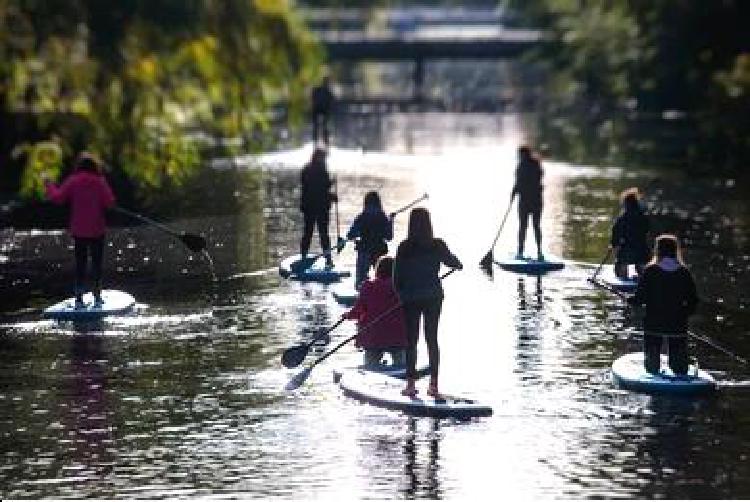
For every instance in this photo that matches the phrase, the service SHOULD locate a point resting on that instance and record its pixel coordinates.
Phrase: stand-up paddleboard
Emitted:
(608, 278)
(345, 295)
(532, 266)
(114, 302)
(629, 373)
(385, 392)
(313, 270)
(386, 369)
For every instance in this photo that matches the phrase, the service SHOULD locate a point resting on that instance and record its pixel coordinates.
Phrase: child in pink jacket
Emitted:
(376, 297)
(88, 194)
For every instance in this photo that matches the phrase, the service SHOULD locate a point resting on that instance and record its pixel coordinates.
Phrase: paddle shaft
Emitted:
(502, 224)
(336, 193)
(148, 220)
(601, 264)
(366, 328)
(409, 205)
(703, 339)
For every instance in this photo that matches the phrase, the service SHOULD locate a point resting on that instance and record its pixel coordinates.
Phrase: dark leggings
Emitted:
(678, 353)
(311, 219)
(85, 247)
(523, 222)
(413, 311)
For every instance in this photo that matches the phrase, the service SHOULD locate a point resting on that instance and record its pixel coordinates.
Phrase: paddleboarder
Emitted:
(376, 297)
(89, 195)
(415, 275)
(667, 289)
(315, 204)
(629, 234)
(528, 186)
(322, 103)
(371, 229)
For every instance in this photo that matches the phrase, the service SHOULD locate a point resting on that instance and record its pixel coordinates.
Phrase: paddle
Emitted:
(601, 264)
(293, 356)
(486, 262)
(703, 339)
(300, 378)
(339, 247)
(413, 203)
(194, 243)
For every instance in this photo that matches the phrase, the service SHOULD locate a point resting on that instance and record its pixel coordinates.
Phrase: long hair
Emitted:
(384, 267)
(86, 161)
(630, 199)
(420, 226)
(667, 246)
(372, 200)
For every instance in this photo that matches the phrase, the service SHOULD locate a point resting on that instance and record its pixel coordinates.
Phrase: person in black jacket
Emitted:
(322, 102)
(629, 235)
(371, 229)
(315, 203)
(529, 188)
(668, 291)
(415, 276)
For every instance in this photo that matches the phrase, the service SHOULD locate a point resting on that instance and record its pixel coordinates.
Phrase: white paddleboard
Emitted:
(346, 296)
(385, 392)
(114, 302)
(629, 373)
(609, 278)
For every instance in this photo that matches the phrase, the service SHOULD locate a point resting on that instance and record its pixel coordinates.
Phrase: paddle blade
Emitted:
(486, 264)
(194, 243)
(298, 379)
(293, 356)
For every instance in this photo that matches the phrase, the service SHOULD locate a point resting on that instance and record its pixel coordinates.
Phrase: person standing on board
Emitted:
(415, 276)
(89, 195)
(378, 303)
(528, 187)
(629, 235)
(371, 229)
(315, 204)
(322, 103)
(667, 289)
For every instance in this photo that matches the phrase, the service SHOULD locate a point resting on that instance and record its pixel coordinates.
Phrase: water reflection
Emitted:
(184, 397)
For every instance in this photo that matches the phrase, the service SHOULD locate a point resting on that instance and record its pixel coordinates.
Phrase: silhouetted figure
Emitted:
(415, 275)
(88, 194)
(371, 229)
(315, 203)
(629, 235)
(667, 289)
(388, 333)
(322, 104)
(529, 188)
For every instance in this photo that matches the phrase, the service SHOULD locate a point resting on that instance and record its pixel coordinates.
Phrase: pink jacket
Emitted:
(88, 195)
(376, 296)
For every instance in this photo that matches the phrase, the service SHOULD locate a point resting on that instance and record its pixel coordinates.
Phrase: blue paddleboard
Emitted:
(346, 296)
(608, 278)
(313, 270)
(114, 302)
(528, 265)
(629, 373)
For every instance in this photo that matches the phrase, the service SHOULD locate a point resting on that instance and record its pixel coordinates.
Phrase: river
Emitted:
(185, 398)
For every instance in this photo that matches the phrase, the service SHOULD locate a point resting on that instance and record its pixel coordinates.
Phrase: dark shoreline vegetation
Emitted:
(154, 87)
(657, 83)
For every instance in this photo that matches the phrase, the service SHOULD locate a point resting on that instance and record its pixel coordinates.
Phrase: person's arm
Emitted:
(691, 296)
(388, 234)
(108, 198)
(397, 264)
(448, 258)
(616, 237)
(58, 194)
(639, 298)
(355, 230)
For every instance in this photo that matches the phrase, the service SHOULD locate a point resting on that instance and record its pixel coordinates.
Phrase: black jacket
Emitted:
(415, 270)
(669, 296)
(316, 194)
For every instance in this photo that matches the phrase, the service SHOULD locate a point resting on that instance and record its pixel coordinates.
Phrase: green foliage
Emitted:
(43, 161)
(154, 78)
(619, 63)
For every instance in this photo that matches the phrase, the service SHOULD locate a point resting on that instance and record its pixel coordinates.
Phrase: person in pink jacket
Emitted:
(378, 301)
(88, 195)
